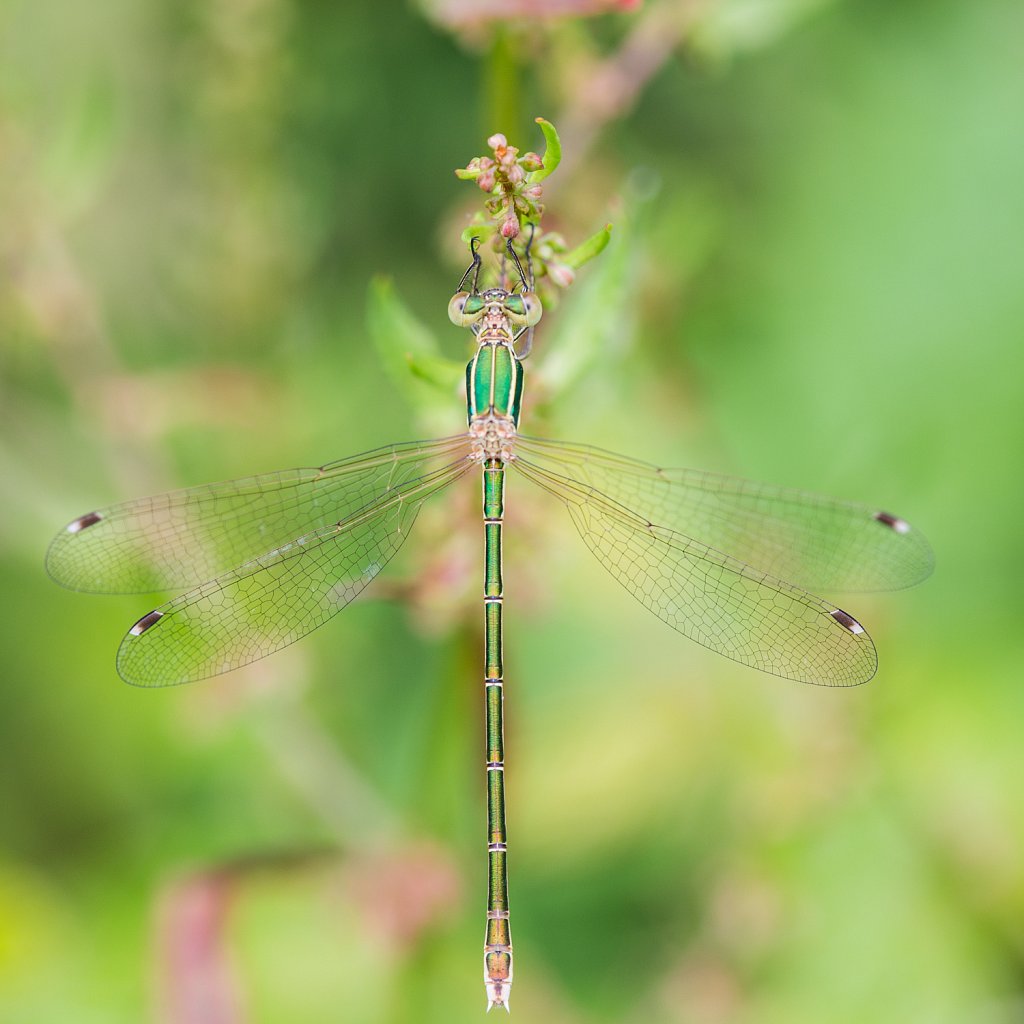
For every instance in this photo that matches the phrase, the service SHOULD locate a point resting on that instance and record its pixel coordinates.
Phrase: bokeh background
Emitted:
(815, 279)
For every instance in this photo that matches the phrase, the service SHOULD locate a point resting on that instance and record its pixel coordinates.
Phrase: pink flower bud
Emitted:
(562, 275)
(510, 226)
(516, 174)
(485, 163)
(497, 141)
(533, 192)
(531, 162)
(486, 181)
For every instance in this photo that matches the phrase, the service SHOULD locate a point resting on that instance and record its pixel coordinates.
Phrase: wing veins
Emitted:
(730, 607)
(813, 540)
(273, 600)
(185, 537)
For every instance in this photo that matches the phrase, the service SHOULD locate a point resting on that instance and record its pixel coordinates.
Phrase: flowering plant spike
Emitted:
(513, 211)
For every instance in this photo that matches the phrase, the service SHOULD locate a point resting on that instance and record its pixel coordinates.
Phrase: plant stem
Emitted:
(502, 87)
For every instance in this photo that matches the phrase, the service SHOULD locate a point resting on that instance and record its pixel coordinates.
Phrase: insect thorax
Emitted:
(492, 437)
(494, 390)
(494, 377)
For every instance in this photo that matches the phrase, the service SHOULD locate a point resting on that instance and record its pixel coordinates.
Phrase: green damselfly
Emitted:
(269, 558)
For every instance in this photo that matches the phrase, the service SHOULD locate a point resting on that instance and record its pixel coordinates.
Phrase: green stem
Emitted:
(502, 87)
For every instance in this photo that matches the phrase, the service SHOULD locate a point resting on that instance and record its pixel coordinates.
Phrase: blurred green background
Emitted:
(815, 279)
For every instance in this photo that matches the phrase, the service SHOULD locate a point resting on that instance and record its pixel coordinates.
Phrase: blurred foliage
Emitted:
(814, 278)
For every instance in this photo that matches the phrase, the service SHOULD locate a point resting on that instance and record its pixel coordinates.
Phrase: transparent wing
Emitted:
(724, 604)
(186, 537)
(274, 599)
(813, 541)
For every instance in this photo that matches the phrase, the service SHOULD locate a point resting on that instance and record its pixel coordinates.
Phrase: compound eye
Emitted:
(465, 309)
(524, 309)
(515, 308)
(532, 309)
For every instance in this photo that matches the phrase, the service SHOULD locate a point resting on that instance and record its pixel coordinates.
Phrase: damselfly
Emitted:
(269, 558)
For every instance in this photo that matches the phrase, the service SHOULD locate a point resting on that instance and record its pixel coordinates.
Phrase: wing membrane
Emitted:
(813, 541)
(189, 536)
(278, 597)
(724, 604)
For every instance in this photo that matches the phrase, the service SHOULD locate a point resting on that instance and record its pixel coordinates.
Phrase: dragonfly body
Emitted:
(494, 393)
(267, 559)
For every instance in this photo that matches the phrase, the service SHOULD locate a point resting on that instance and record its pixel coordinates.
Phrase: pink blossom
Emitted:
(510, 226)
(561, 274)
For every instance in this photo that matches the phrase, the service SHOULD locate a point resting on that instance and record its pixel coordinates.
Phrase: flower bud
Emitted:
(561, 274)
(486, 181)
(531, 162)
(533, 192)
(485, 163)
(515, 174)
(510, 226)
(497, 141)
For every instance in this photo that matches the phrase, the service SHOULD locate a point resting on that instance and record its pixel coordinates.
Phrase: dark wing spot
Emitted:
(847, 621)
(893, 522)
(147, 620)
(79, 524)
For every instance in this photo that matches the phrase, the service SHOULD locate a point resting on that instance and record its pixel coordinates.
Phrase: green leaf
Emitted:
(467, 174)
(409, 351)
(596, 322)
(587, 250)
(552, 154)
(436, 371)
(481, 231)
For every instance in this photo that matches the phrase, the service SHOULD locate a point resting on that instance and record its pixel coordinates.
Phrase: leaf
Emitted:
(587, 250)
(437, 371)
(552, 154)
(481, 231)
(596, 321)
(409, 351)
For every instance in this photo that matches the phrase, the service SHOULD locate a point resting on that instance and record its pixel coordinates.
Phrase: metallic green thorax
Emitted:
(494, 382)
(494, 394)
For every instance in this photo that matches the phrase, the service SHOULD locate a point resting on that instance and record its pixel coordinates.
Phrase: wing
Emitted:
(813, 541)
(724, 604)
(186, 537)
(278, 597)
